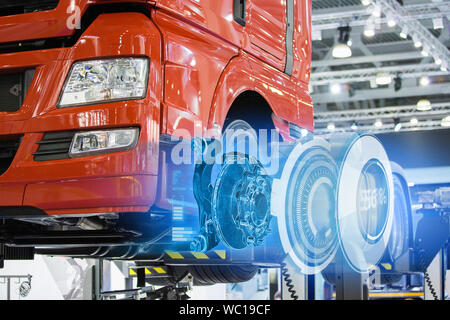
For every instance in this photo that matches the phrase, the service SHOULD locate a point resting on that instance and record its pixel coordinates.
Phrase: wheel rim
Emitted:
(303, 200)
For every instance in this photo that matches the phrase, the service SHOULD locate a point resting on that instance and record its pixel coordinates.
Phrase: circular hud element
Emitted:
(304, 201)
(364, 202)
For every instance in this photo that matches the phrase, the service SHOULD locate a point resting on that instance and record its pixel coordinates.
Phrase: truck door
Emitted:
(266, 30)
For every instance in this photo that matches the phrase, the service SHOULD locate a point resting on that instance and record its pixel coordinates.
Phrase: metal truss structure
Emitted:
(368, 59)
(415, 29)
(385, 128)
(409, 111)
(441, 90)
(363, 120)
(367, 74)
(359, 17)
(414, 44)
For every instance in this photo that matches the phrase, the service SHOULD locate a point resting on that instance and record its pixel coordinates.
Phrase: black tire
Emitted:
(256, 123)
(174, 275)
(162, 282)
(209, 275)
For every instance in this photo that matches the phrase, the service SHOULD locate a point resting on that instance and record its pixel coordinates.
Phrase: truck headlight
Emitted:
(105, 80)
(96, 142)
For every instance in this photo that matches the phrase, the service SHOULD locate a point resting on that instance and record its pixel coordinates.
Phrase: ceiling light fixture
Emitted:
(438, 23)
(316, 35)
(424, 81)
(397, 125)
(376, 12)
(331, 126)
(342, 49)
(404, 33)
(423, 105)
(383, 79)
(369, 32)
(336, 88)
(445, 122)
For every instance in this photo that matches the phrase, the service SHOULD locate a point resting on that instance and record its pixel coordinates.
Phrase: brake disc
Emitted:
(241, 202)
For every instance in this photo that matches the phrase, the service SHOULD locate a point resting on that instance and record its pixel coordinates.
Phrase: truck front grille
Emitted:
(54, 146)
(13, 89)
(8, 149)
(13, 7)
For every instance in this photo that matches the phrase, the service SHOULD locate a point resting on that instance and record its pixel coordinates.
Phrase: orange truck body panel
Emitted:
(200, 61)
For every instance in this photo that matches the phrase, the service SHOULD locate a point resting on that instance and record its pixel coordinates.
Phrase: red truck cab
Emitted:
(203, 55)
(92, 93)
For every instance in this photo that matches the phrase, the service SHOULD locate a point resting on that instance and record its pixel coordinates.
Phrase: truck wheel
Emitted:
(243, 136)
(209, 275)
(251, 127)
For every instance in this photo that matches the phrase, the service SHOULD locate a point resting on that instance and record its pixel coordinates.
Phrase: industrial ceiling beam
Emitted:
(390, 127)
(415, 29)
(368, 59)
(383, 93)
(367, 74)
(438, 109)
(359, 17)
(351, 11)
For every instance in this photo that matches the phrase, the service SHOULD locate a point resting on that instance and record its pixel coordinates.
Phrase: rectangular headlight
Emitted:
(96, 142)
(106, 80)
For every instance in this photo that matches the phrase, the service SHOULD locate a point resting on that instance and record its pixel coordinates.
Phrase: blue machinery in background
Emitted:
(334, 206)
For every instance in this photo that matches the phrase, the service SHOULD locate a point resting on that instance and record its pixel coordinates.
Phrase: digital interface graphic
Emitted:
(231, 150)
(325, 196)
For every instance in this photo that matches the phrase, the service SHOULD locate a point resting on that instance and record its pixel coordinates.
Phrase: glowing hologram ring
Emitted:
(365, 201)
(280, 190)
